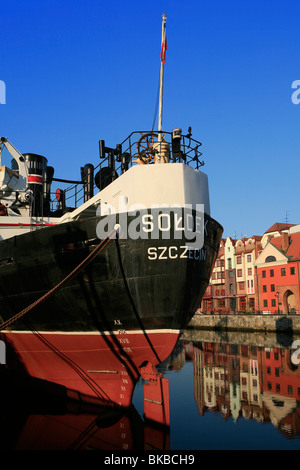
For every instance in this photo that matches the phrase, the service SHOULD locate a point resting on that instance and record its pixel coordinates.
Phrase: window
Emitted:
(292, 270)
(277, 372)
(265, 303)
(231, 288)
(283, 272)
(290, 389)
(272, 287)
(271, 272)
(241, 285)
(264, 274)
(230, 273)
(273, 302)
(249, 258)
(229, 263)
(264, 288)
(239, 260)
(249, 271)
(239, 273)
(269, 259)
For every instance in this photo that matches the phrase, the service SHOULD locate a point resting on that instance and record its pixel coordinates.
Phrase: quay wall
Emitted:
(268, 339)
(247, 322)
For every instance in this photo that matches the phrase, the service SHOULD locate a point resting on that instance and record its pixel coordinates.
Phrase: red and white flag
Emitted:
(163, 45)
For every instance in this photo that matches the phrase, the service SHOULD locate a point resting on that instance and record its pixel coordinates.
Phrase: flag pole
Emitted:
(162, 63)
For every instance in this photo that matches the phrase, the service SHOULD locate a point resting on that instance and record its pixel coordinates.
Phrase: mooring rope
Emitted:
(73, 273)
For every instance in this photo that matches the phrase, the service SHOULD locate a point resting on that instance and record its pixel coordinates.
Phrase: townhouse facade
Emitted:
(260, 274)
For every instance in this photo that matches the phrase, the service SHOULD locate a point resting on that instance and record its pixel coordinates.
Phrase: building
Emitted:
(232, 284)
(230, 275)
(260, 274)
(246, 252)
(277, 270)
(214, 297)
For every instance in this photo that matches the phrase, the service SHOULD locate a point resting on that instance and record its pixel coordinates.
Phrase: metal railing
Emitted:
(138, 147)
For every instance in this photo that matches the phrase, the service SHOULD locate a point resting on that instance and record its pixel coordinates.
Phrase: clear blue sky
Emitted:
(79, 71)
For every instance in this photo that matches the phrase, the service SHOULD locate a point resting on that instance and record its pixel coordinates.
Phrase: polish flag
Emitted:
(163, 46)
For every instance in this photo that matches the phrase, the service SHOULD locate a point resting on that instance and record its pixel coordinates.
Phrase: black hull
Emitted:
(126, 287)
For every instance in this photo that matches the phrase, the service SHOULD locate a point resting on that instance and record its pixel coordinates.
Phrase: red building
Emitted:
(277, 271)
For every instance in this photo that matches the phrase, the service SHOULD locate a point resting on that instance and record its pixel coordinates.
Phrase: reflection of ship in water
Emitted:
(39, 414)
(246, 381)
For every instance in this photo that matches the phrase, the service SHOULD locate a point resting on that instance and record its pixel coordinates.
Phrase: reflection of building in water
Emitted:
(248, 382)
(281, 389)
(235, 400)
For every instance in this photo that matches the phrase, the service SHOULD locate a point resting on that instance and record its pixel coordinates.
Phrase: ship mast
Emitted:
(162, 63)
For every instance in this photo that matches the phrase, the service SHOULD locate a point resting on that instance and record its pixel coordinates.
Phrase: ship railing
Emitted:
(68, 195)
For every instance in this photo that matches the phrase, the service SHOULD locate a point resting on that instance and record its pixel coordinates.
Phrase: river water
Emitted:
(231, 392)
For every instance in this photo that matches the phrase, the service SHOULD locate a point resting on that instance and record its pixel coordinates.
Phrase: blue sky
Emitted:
(80, 71)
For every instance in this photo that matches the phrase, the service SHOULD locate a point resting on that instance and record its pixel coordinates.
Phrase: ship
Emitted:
(115, 263)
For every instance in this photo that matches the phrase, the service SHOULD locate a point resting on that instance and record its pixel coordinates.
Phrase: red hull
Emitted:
(106, 366)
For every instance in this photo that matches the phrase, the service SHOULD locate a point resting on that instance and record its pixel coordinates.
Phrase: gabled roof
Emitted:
(277, 242)
(271, 250)
(293, 251)
(256, 237)
(289, 251)
(278, 227)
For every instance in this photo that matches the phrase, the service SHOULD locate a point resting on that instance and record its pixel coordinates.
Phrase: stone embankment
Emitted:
(247, 322)
(249, 338)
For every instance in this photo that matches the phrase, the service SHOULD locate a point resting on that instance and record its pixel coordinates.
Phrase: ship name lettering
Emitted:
(174, 252)
(193, 223)
(162, 254)
(205, 228)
